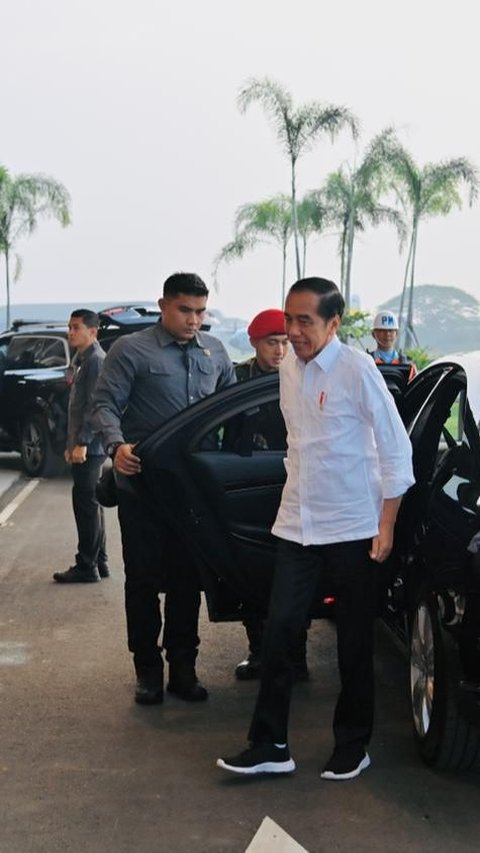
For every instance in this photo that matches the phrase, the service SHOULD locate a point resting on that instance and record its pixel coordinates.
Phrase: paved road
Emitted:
(9, 470)
(84, 769)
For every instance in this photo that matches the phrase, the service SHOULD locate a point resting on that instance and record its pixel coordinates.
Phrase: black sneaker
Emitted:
(346, 764)
(260, 758)
(76, 575)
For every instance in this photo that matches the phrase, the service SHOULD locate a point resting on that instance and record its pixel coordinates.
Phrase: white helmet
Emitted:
(385, 320)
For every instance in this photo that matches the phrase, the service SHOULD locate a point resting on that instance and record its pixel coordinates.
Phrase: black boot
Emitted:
(77, 575)
(183, 682)
(149, 687)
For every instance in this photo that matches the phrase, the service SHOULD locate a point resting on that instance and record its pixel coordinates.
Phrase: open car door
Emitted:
(220, 493)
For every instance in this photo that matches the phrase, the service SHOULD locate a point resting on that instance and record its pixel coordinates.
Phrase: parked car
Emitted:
(221, 495)
(35, 375)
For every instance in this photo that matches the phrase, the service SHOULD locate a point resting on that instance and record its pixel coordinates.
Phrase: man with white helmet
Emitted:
(385, 332)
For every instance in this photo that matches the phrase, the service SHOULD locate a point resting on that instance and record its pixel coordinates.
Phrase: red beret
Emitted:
(269, 322)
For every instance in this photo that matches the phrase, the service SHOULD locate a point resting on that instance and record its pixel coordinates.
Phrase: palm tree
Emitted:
(297, 128)
(23, 199)
(313, 217)
(353, 198)
(268, 221)
(429, 191)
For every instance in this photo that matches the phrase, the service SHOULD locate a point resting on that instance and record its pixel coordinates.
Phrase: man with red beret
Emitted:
(270, 342)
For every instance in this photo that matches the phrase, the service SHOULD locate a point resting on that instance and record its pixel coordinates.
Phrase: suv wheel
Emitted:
(444, 738)
(38, 457)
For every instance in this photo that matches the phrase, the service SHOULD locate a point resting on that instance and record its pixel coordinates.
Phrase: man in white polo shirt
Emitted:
(348, 465)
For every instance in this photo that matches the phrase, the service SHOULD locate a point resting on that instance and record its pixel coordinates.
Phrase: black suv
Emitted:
(35, 374)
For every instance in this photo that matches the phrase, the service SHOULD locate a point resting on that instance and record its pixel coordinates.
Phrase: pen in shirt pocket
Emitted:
(322, 399)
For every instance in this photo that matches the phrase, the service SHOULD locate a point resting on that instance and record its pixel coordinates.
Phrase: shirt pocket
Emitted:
(158, 370)
(206, 376)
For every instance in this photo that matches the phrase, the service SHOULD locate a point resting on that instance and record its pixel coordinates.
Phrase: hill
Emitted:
(446, 319)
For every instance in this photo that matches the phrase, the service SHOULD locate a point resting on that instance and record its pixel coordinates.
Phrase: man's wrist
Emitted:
(112, 448)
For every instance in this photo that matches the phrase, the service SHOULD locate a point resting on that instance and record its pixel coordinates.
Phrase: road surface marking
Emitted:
(12, 653)
(18, 501)
(271, 838)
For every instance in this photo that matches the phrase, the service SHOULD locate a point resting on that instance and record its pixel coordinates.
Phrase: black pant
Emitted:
(348, 572)
(88, 514)
(157, 560)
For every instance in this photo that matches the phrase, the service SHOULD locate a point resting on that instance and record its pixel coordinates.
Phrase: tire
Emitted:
(445, 740)
(38, 456)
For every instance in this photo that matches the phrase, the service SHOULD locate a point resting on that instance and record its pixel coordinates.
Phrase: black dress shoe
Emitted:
(149, 687)
(103, 571)
(249, 669)
(76, 575)
(184, 683)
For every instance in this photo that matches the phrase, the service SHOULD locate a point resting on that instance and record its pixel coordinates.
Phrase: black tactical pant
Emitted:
(157, 561)
(89, 518)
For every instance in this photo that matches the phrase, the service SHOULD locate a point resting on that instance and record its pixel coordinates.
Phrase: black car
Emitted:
(35, 375)
(221, 494)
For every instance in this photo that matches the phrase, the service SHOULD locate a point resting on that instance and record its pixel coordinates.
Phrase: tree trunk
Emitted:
(295, 221)
(284, 269)
(401, 324)
(348, 268)
(410, 335)
(304, 265)
(343, 240)
(7, 286)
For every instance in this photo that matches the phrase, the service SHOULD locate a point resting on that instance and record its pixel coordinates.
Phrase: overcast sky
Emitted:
(133, 107)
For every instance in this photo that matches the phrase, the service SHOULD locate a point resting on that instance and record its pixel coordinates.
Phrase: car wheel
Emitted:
(38, 457)
(444, 739)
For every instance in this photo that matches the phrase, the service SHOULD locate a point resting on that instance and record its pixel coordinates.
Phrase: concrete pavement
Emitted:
(9, 470)
(85, 770)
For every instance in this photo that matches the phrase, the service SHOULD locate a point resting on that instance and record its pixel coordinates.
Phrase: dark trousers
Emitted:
(155, 561)
(348, 573)
(254, 625)
(88, 514)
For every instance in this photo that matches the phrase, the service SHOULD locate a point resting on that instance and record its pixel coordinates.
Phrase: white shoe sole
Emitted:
(329, 774)
(267, 767)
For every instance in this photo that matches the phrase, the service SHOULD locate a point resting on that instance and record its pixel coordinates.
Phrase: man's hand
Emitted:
(383, 543)
(67, 456)
(125, 461)
(79, 454)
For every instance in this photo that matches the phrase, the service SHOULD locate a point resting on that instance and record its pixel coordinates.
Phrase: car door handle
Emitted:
(22, 382)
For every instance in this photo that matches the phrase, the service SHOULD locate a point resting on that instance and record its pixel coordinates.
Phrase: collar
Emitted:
(164, 338)
(387, 356)
(328, 355)
(81, 356)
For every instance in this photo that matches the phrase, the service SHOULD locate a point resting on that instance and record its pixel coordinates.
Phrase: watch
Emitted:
(112, 448)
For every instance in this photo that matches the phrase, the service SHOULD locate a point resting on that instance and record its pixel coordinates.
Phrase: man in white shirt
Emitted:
(348, 465)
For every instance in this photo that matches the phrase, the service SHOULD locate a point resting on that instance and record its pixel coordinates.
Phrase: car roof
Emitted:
(127, 314)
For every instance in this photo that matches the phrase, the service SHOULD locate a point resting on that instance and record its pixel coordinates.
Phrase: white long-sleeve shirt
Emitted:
(347, 447)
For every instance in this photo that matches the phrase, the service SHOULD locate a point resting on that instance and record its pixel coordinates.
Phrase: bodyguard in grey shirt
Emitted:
(147, 378)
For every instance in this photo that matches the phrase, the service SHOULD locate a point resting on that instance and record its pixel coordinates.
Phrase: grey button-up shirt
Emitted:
(148, 377)
(87, 366)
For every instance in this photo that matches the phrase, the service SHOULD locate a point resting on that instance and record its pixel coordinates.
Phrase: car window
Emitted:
(20, 355)
(256, 428)
(51, 352)
(28, 353)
